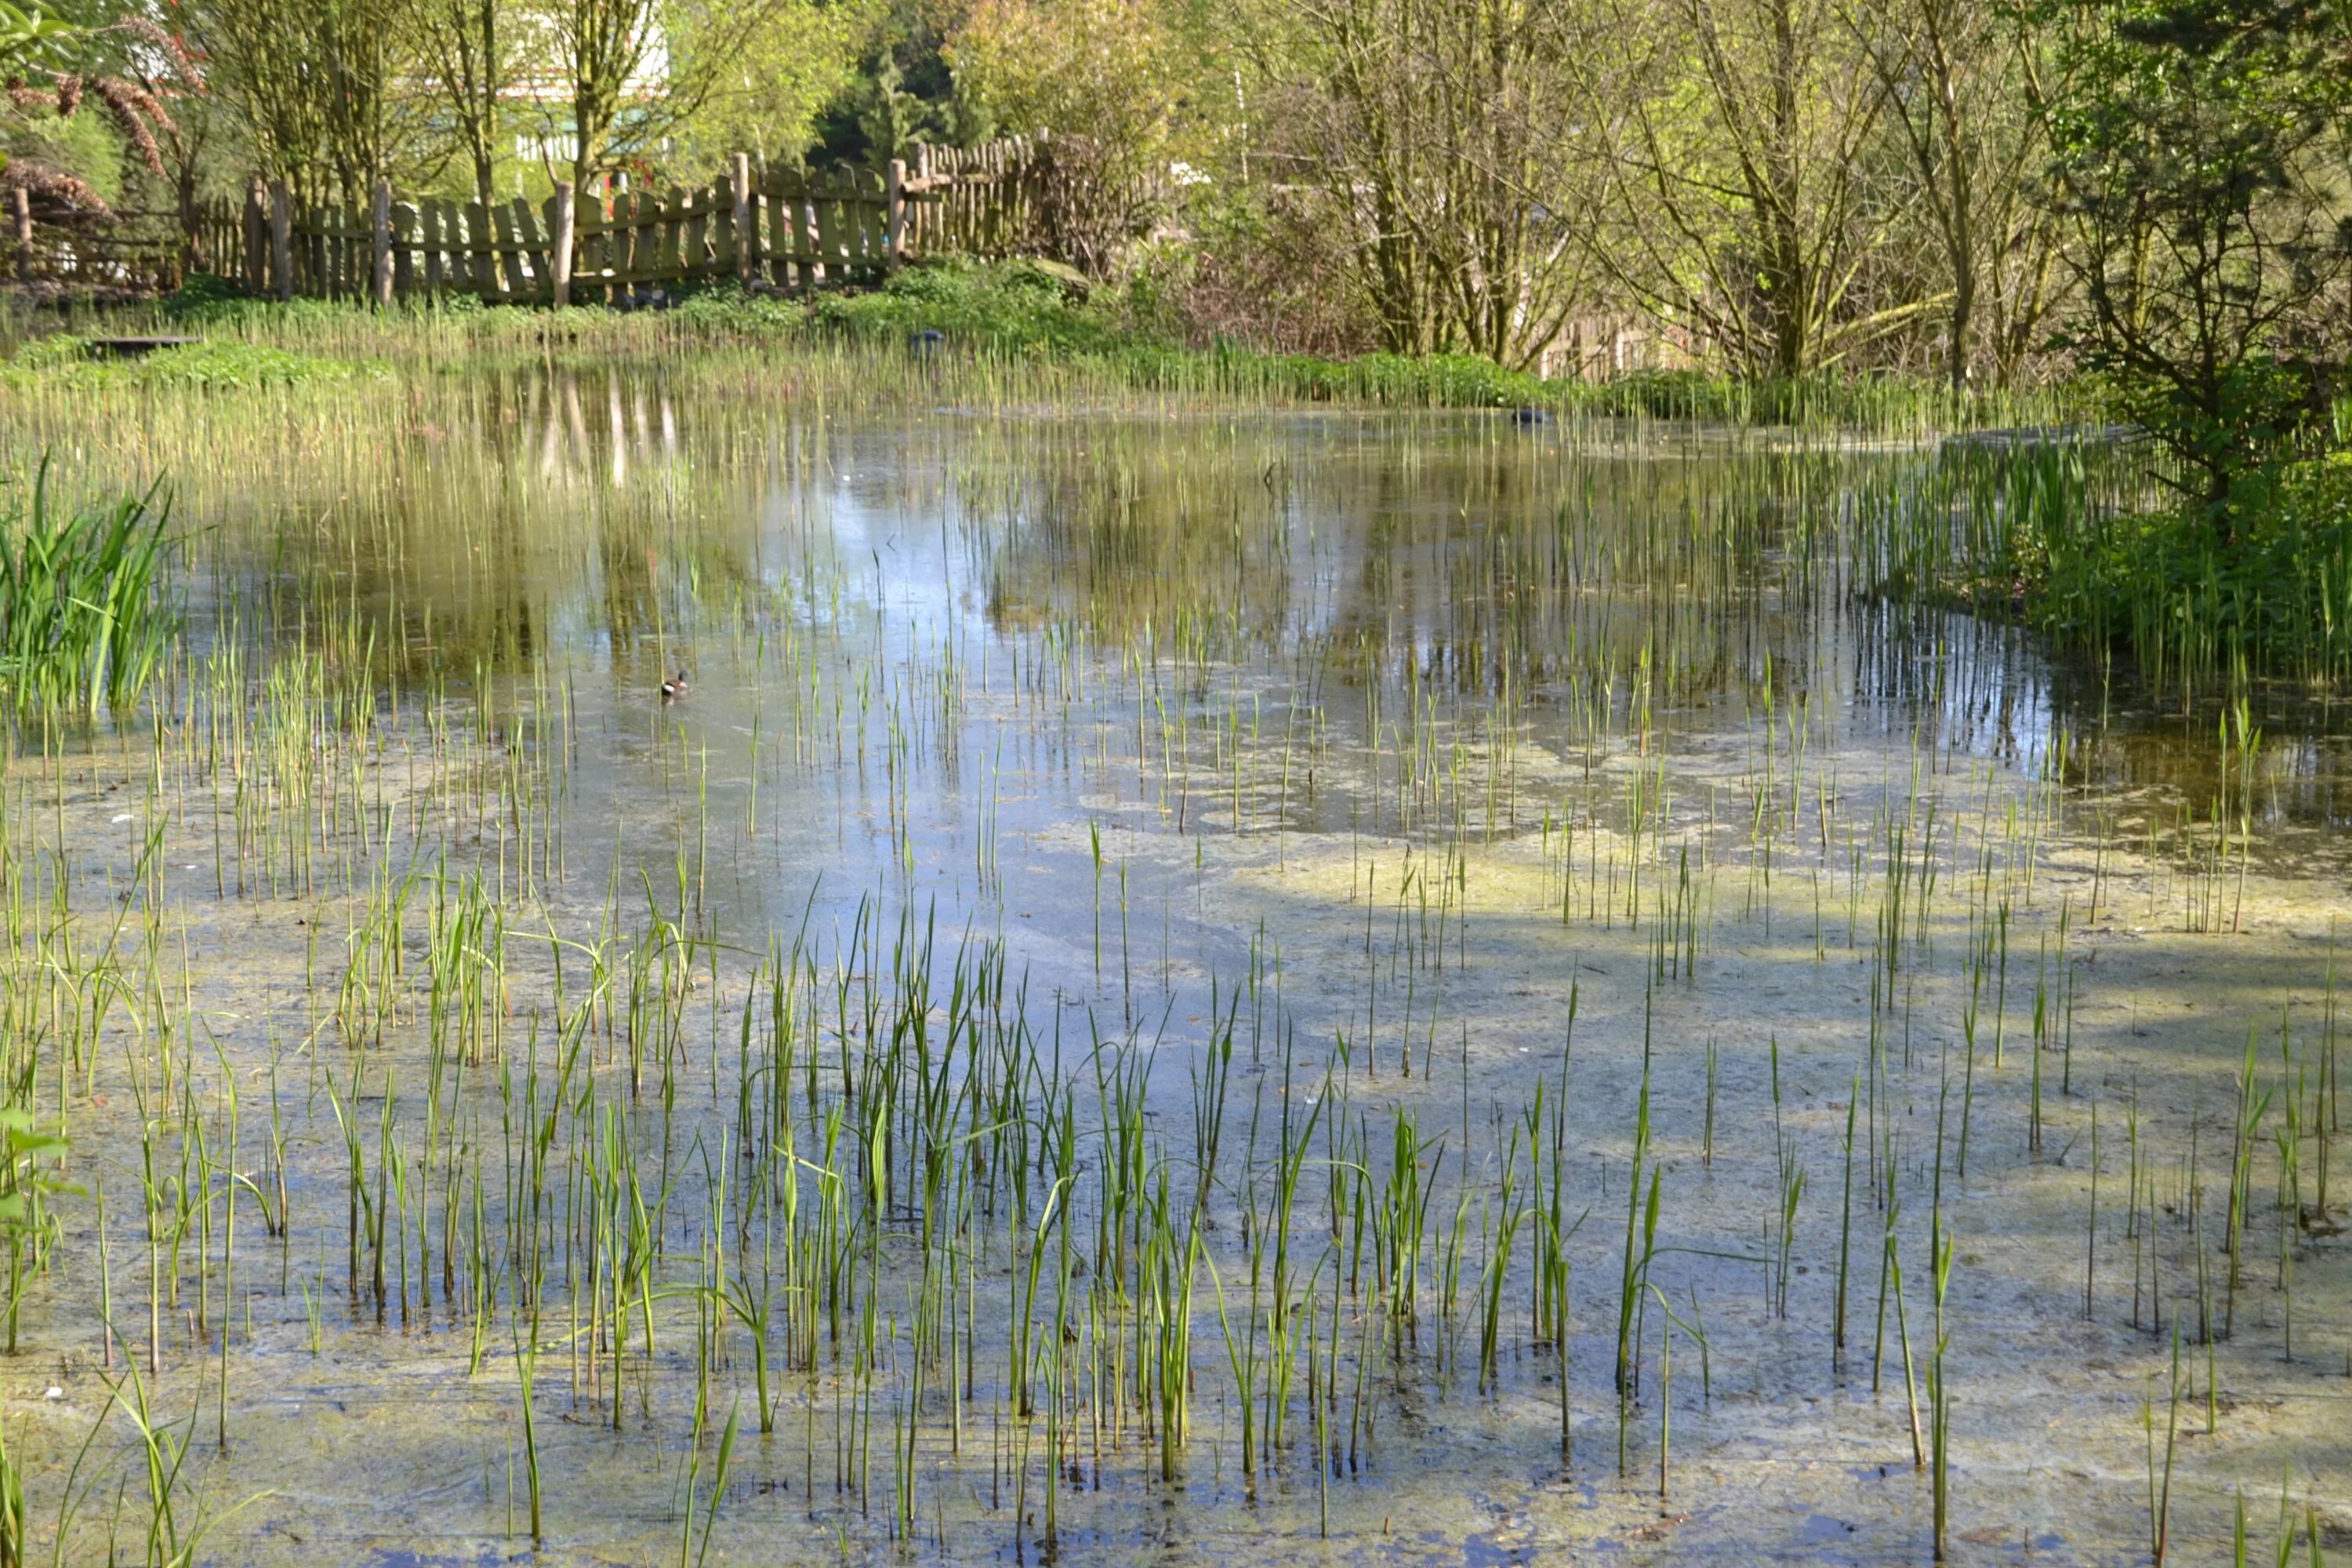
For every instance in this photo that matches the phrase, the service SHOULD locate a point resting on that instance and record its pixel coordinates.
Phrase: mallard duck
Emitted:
(676, 687)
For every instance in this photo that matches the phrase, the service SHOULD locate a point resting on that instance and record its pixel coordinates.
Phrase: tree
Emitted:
(1108, 81)
(766, 101)
(1746, 198)
(636, 71)
(1441, 137)
(78, 64)
(265, 63)
(471, 58)
(373, 113)
(1961, 79)
(2200, 161)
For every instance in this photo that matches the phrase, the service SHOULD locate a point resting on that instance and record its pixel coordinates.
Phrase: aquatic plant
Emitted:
(83, 619)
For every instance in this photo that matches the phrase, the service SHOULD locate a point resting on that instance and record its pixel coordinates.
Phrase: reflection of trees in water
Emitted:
(1478, 562)
(2150, 766)
(500, 509)
(1457, 559)
(1135, 532)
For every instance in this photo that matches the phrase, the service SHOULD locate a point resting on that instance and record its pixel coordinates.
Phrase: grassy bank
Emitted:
(1044, 324)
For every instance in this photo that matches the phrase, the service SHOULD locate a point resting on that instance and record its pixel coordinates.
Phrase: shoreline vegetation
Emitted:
(1015, 313)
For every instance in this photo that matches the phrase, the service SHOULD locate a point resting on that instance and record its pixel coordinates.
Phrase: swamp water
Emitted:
(1180, 981)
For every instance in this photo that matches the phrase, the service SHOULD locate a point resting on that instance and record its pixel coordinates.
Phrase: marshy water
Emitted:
(1181, 979)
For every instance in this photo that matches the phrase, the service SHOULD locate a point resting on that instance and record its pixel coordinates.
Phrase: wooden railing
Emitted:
(781, 229)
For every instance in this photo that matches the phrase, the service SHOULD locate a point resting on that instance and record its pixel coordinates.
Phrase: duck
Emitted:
(676, 687)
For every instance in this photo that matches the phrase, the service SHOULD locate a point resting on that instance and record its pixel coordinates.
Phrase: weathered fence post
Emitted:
(747, 238)
(20, 208)
(256, 235)
(481, 257)
(894, 221)
(404, 228)
(531, 251)
(626, 256)
(379, 243)
(429, 217)
(565, 221)
(281, 240)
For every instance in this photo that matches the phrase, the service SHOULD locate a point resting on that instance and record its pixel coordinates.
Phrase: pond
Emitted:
(1168, 978)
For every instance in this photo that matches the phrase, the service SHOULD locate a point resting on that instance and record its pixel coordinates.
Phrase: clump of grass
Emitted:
(1017, 307)
(82, 617)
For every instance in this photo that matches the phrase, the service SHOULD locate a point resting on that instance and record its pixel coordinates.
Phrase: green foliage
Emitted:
(214, 364)
(55, 351)
(2062, 537)
(726, 309)
(1448, 381)
(2199, 159)
(223, 365)
(28, 1176)
(1008, 307)
(779, 75)
(83, 618)
(2233, 419)
(2275, 598)
(205, 295)
(90, 146)
(31, 36)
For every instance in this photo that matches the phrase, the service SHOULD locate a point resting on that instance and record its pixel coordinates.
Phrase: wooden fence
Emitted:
(991, 201)
(778, 229)
(116, 247)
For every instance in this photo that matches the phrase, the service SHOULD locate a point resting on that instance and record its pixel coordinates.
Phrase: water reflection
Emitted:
(1375, 574)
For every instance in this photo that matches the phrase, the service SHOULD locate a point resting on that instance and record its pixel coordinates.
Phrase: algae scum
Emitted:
(1180, 981)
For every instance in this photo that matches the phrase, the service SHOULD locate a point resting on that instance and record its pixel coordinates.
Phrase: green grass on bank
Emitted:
(66, 359)
(1006, 315)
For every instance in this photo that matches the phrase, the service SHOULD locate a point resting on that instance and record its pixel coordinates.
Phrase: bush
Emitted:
(1015, 307)
(2276, 598)
(203, 297)
(726, 308)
